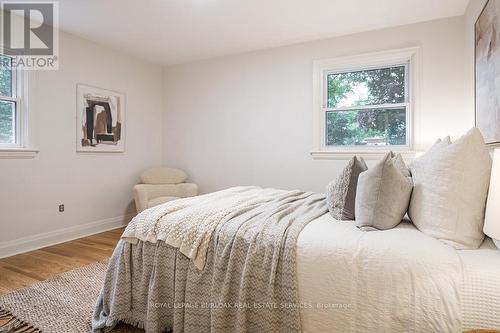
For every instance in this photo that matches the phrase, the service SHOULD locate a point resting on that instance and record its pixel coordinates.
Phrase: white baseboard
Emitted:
(34, 242)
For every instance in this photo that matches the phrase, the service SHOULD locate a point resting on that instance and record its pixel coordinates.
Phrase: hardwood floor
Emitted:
(27, 268)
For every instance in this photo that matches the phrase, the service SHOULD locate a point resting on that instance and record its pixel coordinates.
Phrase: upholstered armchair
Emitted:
(160, 185)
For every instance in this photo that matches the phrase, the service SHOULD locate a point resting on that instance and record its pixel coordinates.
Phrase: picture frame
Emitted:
(100, 120)
(487, 72)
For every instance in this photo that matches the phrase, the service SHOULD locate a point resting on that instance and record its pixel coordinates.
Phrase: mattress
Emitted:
(336, 263)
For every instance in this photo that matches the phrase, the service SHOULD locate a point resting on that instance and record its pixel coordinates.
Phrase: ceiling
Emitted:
(175, 31)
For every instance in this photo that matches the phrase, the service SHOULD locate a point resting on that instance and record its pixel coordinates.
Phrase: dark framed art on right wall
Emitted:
(487, 72)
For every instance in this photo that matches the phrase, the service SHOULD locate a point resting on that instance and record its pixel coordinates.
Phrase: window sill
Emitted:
(407, 155)
(18, 153)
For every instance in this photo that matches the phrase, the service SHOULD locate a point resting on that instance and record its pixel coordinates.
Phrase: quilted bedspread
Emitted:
(222, 262)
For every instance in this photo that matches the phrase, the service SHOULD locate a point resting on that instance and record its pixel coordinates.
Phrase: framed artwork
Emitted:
(487, 72)
(100, 120)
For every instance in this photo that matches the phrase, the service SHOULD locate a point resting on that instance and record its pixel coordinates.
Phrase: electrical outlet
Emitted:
(61, 208)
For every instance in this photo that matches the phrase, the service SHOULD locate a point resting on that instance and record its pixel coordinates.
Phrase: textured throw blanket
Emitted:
(222, 262)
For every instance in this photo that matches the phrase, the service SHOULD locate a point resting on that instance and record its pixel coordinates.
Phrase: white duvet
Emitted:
(480, 290)
(398, 280)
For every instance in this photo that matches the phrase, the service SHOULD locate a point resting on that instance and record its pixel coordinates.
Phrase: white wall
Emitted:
(94, 187)
(247, 119)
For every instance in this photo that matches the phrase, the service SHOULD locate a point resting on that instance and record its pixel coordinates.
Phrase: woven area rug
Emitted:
(64, 303)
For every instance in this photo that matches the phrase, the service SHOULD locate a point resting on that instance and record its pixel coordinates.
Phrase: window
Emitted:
(7, 102)
(364, 103)
(12, 116)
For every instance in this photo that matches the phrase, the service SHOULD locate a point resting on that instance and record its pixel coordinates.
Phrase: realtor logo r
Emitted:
(30, 32)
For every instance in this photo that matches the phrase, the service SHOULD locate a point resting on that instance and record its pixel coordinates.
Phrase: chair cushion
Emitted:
(160, 200)
(163, 176)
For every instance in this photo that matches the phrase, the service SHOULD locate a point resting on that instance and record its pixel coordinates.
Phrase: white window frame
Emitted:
(409, 57)
(21, 147)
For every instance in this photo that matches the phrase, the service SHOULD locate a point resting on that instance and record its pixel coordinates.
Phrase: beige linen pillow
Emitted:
(162, 175)
(341, 193)
(451, 184)
(383, 194)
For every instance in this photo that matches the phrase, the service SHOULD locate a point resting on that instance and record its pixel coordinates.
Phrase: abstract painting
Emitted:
(487, 71)
(100, 120)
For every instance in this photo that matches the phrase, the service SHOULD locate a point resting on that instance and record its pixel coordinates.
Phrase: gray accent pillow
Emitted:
(383, 194)
(341, 193)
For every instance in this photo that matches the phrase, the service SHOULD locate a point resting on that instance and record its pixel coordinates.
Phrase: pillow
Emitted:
(451, 184)
(341, 193)
(163, 176)
(440, 143)
(383, 194)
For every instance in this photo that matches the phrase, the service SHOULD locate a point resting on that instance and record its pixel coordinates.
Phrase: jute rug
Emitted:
(64, 303)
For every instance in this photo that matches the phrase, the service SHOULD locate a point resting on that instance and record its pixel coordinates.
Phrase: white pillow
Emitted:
(450, 189)
(163, 176)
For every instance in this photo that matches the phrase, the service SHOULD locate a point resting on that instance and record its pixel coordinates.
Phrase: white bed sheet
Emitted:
(480, 290)
(341, 290)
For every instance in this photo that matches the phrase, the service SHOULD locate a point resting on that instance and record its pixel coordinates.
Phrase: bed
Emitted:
(330, 276)
(330, 257)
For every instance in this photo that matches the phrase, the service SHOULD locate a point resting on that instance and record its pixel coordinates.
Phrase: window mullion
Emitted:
(367, 107)
(9, 99)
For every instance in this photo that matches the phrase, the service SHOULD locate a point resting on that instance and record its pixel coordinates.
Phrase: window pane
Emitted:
(368, 87)
(5, 76)
(373, 127)
(7, 118)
